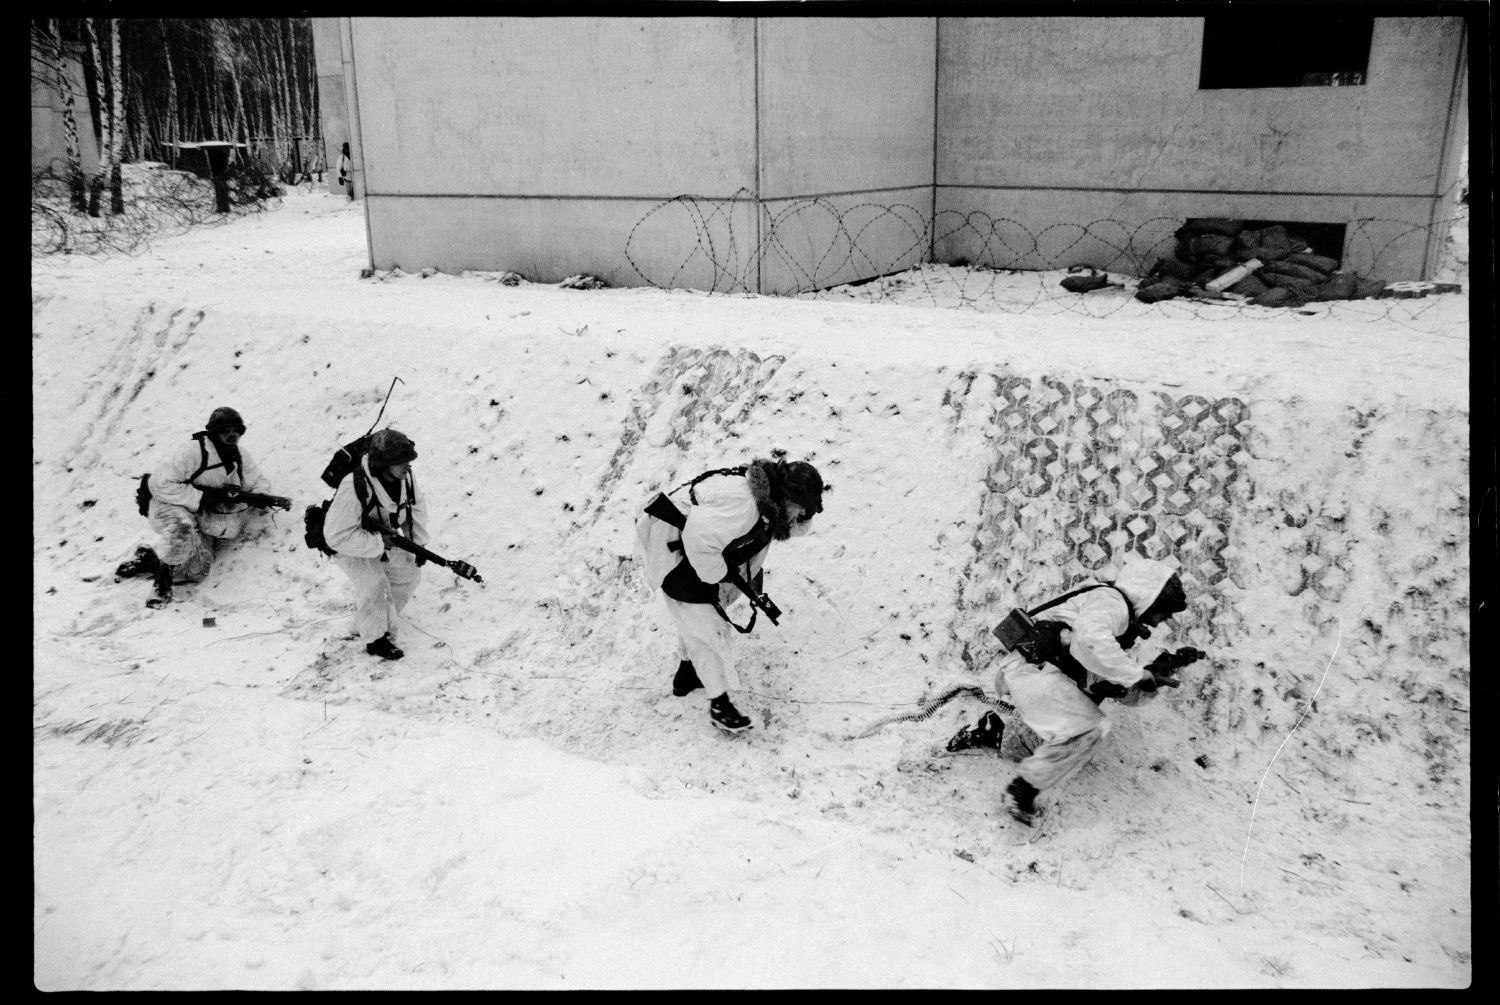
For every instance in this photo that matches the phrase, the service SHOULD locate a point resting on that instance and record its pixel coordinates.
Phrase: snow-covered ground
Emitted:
(252, 802)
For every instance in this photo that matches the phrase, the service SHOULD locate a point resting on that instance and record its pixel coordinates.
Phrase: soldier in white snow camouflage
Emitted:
(1073, 660)
(701, 537)
(209, 490)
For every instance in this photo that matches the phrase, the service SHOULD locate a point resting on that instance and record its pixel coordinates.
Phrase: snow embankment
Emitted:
(1319, 513)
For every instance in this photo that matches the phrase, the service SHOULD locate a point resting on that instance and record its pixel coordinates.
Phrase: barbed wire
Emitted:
(810, 248)
(158, 201)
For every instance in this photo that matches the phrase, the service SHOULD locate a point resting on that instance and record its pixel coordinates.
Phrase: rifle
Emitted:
(231, 494)
(757, 600)
(461, 569)
(261, 500)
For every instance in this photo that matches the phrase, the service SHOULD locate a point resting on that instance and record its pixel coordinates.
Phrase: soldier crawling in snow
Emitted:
(208, 491)
(704, 544)
(1073, 657)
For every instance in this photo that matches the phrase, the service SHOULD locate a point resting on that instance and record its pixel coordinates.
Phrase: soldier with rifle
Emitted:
(377, 525)
(704, 545)
(209, 490)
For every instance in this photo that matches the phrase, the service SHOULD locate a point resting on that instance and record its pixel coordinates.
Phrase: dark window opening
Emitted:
(1325, 239)
(1285, 47)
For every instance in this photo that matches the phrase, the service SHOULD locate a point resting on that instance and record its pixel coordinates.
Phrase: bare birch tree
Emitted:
(73, 152)
(96, 184)
(116, 118)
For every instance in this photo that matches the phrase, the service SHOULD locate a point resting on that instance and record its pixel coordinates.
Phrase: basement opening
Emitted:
(1326, 239)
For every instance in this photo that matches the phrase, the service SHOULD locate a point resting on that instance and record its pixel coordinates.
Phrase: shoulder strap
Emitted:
(362, 492)
(708, 474)
(203, 464)
(1085, 589)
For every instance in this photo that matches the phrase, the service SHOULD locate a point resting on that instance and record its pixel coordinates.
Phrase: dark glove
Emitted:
(1107, 689)
(421, 560)
(1170, 662)
(1158, 679)
(221, 495)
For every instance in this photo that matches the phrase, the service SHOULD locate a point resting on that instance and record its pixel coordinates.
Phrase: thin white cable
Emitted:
(1256, 806)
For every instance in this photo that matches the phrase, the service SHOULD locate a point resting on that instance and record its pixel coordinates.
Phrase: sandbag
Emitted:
(1210, 225)
(1308, 260)
(1278, 297)
(1287, 267)
(1339, 286)
(1164, 290)
(1084, 284)
(1365, 288)
(1272, 242)
(1302, 288)
(1249, 287)
(1174, 269)
(1208, 246)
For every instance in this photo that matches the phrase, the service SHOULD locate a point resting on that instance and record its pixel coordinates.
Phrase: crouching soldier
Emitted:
(208, 491)
(1074, 657)
(377, 499)
(704, 545)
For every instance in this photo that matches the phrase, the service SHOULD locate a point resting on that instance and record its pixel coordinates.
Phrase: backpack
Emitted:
(343, 461)
(143, 490)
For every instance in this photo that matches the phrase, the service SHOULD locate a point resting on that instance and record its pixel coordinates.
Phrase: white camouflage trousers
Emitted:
(1069, 725)
(189, 540)
(381, 591)
(702, 636)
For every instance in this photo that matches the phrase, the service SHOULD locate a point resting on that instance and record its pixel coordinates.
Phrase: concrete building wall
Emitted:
(558, 137)
(1052, 120)
(49, 145)
(779, 155)
(846, 134)
(333, 102)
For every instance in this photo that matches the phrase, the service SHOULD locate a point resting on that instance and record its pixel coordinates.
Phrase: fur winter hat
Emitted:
(225, 419)
(801, 484)
(391, 446)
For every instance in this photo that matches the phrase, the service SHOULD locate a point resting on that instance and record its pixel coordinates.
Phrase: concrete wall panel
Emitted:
(846, 104)
(809, 244)
(1115, 102)
(547, 240)
(333, 106)
(1127, 231)
(49, 145)
(633, 107)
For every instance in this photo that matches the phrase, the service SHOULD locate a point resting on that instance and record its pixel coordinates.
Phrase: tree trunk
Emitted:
(116, 119)
(288, 110)
(96, 185)
(170, 133)
(76, 193)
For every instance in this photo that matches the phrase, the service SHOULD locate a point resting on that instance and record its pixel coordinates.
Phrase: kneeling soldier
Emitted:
(209, 490)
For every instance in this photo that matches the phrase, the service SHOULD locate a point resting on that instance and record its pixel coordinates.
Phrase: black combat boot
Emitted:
(722, 713)
(161, 579)
(384, 648)
(1020, 800)
(987, 732)
(685, 681)
(144, 563)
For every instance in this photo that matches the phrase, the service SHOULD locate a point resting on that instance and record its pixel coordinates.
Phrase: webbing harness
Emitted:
(368, 505)
(682, 582)
(1062, 658)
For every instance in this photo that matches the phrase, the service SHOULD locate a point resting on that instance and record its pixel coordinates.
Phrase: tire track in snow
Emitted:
(148, 347)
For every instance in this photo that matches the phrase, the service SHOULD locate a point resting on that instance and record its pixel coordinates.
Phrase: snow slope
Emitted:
(521, 803)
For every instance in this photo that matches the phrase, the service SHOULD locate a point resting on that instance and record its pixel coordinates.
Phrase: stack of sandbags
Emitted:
(1289, 273)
